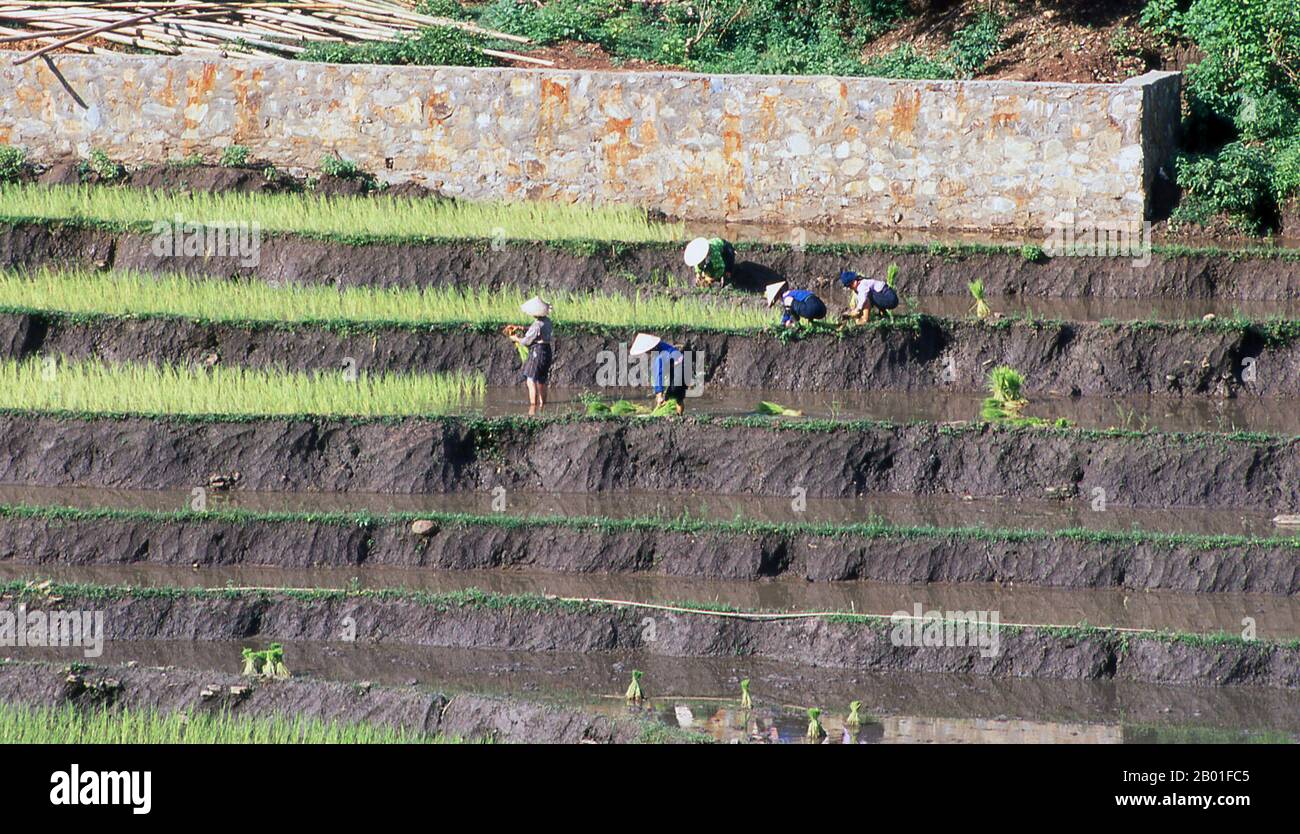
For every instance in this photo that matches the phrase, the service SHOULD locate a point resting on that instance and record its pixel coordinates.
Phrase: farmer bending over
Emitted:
(795, 304)
(667, 369)
(868, 294)
(714, 259)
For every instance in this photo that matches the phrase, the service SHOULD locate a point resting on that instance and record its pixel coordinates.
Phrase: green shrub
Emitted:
(1033, 253)
(336, 166)
(13, 163)
(973, 44)
(1236, 182)
(1286, 169)
(101, 165)
(234, 156)
(443, 8)
(433, 46)
(906, 62)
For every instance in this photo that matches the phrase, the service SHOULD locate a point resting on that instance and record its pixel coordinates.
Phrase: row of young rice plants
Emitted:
(139, 295)
(342, 217)
(95, 387)
(69, 725)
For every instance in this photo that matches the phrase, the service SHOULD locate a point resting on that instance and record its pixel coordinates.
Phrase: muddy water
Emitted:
(895, 708)
(900, 510)
(1276, 416)
(1101, 309)
(1274, 617)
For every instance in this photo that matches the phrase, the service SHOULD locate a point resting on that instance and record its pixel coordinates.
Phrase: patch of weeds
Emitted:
(102, 166)
(235, 156)
(13, 163)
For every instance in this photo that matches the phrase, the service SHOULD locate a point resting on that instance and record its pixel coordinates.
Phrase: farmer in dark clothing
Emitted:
(796, 305)
(667, 369)
(868, 294)
(537, 368)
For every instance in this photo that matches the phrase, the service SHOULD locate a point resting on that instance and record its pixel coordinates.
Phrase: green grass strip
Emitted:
(381, 217)
(68, 724)
(46, 384)
(133, 294)
(873, 529)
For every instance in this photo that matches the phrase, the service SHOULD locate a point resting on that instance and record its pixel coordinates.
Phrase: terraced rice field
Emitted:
(329, 450)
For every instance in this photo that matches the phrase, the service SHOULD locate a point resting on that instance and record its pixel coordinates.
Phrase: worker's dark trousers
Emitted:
(809, 308)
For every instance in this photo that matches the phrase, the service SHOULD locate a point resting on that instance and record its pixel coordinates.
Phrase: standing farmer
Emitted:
(667, 369)
(714, 259)
(868, 294)
(796, 305)
(537, 339)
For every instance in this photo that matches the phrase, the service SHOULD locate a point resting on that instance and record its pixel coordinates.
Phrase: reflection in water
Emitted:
(896, 509)
(1185, 414)
(1276, 617)
(895, 708)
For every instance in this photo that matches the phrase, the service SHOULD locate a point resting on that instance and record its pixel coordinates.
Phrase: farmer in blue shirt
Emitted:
(795, 304)
(667, 369)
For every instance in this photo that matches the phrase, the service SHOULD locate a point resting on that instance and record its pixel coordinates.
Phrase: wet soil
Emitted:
(1068, 359)
(206, 552)
(1259, 475)
(831, 642)
(628, 267)
(466, 716)
(1275, 618)
(960, 707)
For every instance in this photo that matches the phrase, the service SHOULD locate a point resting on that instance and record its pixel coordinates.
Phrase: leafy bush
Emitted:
(13, 163)
(906, 62)
(1236, 182)
(102, 166)
(973, 44)
(443, 8)
(336, 166)
(723, 36)
(433, 46)
(1244, 103)
(234, 156)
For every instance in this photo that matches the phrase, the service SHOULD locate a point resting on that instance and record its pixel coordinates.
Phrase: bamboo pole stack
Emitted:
(263, 28)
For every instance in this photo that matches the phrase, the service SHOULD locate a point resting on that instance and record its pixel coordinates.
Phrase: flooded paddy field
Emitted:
(1273, 617)
(702, 696)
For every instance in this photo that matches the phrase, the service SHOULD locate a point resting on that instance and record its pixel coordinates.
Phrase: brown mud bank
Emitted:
(753, 456)
(474, 619)
(1073, 560)
(620, 267)
(467, 716)
(915, 354)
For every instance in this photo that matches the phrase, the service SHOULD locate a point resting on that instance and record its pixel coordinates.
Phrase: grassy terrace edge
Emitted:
(478, 599)
(1277, 332)
(874, 529)
(490, 426)
(591, 247)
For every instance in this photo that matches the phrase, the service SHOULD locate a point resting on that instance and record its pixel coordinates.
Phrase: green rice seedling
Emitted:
(771, 409)
(745, 701)
(854, 720)
(891, 276)
(129, 293)
(93, 387)
(379, 216)
(1005, 384)
(68, 724)
(634, 694)
(815, 730)
(251, 661)
(273, 660)
(980, 308)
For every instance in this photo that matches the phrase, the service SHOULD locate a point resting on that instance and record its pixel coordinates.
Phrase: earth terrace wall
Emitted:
(951, 154)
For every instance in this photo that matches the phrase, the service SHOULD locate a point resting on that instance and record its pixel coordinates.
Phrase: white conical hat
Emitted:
(773, 291)
(536, 307)
(643, 343)
(696, 251)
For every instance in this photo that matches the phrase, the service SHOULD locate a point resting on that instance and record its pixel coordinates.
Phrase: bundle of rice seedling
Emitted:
(980, 308)
(771, 409)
